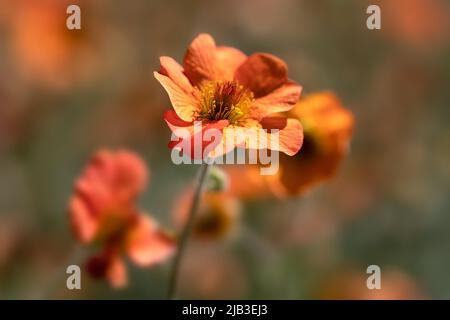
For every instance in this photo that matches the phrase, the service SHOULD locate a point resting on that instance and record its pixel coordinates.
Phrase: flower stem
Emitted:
(182, 243)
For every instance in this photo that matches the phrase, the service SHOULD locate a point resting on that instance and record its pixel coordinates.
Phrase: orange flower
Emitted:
(228, 91)
(217, 216)
(103, 210)
(327, 132)
(328, 128)
(43, 48)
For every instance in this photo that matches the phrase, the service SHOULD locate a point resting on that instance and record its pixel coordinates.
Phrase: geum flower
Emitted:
(328, 128)
(230, 92)
(103, 211)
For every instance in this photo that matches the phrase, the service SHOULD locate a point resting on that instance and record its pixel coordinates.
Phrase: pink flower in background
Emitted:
(103, 211)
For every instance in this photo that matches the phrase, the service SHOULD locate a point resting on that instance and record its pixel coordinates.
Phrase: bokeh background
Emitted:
(64, 94)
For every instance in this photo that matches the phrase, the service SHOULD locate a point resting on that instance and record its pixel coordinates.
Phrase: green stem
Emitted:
(182, 243)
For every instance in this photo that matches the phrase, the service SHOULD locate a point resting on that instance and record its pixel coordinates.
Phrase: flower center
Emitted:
(224, 100)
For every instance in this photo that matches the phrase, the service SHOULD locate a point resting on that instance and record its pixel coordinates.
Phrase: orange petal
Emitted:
(117, 272)
(175, 123)
(94, 194)
(130, 172)
(262, 73)
(290, 134)
(228, 60)
(83, 223)
(102, 167)
(108, 186)
(184, 103)
(231, 138)
(113, 175)
(173, 70)
(147, 244)
(280, 100)
(200, 59)
(287, 138)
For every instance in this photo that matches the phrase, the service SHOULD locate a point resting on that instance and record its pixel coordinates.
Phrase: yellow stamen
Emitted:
(224, 100)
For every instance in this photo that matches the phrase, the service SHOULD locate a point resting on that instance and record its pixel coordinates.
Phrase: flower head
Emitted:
(328, 127)
(103, 210)
(227, 90)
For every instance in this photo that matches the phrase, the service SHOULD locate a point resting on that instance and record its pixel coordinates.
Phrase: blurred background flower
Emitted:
(327, 129)
(103, 211)
(64, 94)
(350, 284)
(217, 217)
